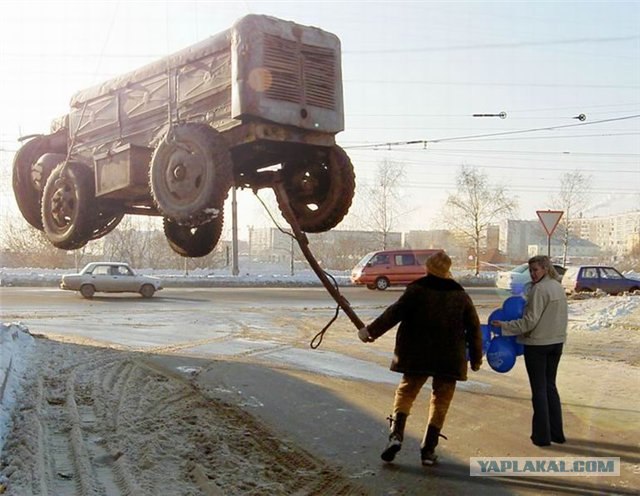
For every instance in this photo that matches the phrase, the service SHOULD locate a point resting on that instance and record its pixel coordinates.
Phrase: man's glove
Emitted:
(363, 334)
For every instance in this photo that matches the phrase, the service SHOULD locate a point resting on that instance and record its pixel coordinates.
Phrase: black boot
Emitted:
(396, 436)
(428, 446)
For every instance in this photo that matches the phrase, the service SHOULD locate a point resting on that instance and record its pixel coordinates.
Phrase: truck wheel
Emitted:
(32, 165)
(67, 206)
(193, 241)
(191, 173)
(104, 223)
(382, 283)
(320, 189)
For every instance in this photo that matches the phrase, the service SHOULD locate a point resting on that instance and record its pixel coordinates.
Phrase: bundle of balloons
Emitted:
(503, 350)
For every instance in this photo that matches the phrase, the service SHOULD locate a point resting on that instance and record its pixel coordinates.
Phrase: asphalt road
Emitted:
(196, 313)
(252, 348)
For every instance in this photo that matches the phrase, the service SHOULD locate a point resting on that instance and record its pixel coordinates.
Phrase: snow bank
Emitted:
(16, 345)
(257, 275)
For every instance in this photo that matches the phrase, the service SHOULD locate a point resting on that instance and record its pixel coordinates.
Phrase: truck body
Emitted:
(172, 138)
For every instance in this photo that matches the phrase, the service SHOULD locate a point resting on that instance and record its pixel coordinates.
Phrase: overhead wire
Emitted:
(488, 135)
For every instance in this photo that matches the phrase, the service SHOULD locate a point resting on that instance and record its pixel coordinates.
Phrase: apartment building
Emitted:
(616, 235)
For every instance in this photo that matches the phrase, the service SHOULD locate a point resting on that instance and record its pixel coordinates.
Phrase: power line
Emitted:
(534, 152)
(608, 169)
(493, 84)
(484, 46)
(487, 135)
(566, 136)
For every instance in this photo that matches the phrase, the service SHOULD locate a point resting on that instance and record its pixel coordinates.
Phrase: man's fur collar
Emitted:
(438, 283)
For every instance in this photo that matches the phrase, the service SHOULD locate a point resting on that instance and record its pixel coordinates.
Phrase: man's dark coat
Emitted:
(437, 321)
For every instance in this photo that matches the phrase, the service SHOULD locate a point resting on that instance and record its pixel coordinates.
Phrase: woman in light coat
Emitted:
(542, 330)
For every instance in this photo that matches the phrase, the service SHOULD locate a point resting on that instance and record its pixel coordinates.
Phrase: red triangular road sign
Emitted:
(549, 219)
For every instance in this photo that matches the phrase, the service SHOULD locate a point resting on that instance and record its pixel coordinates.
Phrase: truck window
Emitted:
(380, 260)
(405, 259)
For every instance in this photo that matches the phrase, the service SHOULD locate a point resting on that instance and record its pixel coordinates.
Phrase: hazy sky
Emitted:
(412, 71)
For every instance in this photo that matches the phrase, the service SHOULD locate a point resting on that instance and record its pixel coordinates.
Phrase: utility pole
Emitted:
(234, 232)
(291, 253)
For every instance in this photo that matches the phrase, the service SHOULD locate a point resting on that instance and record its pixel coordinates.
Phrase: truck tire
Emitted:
(193, 242)
(320, 188)
(191, 173)
(67, 206)
(32, 165)
(104, 223)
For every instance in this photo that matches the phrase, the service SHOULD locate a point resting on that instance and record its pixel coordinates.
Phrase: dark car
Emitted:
(587, 278)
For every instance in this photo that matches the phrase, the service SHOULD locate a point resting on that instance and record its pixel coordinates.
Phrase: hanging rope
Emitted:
(322, 274)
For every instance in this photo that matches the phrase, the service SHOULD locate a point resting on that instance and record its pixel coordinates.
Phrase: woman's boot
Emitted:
(396, 436)
(428, 446)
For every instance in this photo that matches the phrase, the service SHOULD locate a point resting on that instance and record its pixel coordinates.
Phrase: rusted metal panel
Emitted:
(123, 173)
(213, 44)
(96, 120)
(203, 88)
(143, 104)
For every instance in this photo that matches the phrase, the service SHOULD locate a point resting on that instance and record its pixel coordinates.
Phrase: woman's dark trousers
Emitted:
(542, 367)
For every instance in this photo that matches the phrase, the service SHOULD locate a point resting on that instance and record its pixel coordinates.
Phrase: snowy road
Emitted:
(147, 421)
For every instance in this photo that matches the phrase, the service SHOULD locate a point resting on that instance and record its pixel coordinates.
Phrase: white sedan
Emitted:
(110, 277)
(518, 280)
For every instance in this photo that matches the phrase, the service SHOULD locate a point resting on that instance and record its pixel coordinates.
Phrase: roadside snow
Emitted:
(15, 347)
(594, 314)
(256, 274)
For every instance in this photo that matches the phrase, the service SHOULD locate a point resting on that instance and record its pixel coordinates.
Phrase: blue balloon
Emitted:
(519, 348)
(501, 354)
(486, 337)
(497, 314)
(513, 307)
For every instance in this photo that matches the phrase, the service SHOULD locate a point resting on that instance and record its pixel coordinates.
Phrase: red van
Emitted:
(381, 269)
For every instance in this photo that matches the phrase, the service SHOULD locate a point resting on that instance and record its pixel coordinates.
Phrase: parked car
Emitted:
(586, 278)
(110, 277)
(381, 269)
(517, 280)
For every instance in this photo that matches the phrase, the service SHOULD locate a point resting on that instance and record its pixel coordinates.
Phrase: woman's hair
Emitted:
(545, 262)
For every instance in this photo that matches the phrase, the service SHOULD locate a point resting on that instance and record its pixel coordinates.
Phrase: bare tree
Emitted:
(25, 246)
(384, 202)
(475, 206)
(572, 199)
(124, 243)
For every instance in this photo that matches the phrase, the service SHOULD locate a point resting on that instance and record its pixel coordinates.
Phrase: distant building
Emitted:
(515, 236)
(335, 248)
(437, 238)
(578, 251)
(616, 235)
